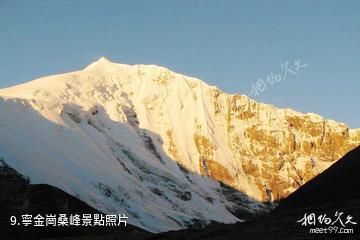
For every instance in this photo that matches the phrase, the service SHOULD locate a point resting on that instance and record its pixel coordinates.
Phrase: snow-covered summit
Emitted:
(102, 64)
(166, 149)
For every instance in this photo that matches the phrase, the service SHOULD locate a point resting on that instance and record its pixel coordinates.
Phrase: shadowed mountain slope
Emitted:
(18, 196)
(338, 184)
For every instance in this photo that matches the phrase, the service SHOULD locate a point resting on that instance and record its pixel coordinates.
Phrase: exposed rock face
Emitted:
(277, 150)
(175, 128)
(280, 149)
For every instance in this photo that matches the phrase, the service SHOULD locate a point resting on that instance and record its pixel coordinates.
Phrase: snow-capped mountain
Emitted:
(165, 149)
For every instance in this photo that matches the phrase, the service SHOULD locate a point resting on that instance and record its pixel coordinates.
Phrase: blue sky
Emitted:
(230, 44)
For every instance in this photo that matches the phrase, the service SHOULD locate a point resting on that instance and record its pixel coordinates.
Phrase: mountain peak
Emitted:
(103, 60)
(160, 138)
(101, 63)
